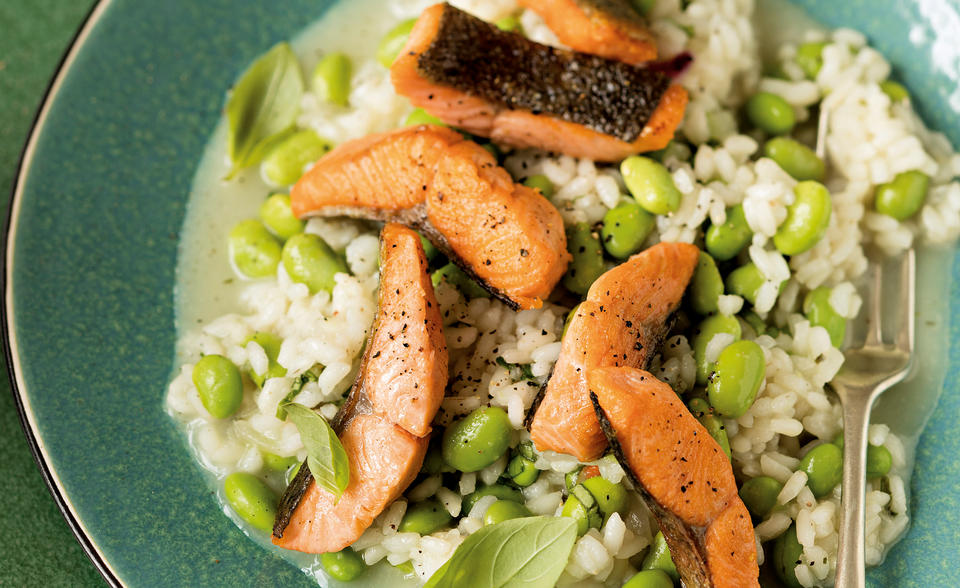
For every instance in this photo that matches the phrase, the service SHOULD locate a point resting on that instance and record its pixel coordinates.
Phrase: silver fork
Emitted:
(866, 373)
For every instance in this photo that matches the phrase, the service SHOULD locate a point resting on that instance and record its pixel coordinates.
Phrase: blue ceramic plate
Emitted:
(92, 247)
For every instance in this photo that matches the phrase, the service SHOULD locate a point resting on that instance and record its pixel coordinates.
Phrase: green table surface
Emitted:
(36, 545)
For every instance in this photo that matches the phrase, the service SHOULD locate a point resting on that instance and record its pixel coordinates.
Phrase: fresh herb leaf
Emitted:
(263, 106)
(518, 371)
(326, 457)
(298, 384)
(529, 552)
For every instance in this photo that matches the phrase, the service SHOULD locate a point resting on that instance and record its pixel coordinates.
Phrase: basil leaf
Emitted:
(298, 384)
(529, 552)
(326, 457)
(263, 106)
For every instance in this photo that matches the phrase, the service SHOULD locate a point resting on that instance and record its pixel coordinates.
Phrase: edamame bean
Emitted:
(787, 552)
(725, 241)
(625, 228)
(904, 196)
(824, 468)
(651, 184)
(252, 499)
(587, 264)
(702, 412)
(271, 346)
(817, 308)
(276, 215)
(504, 510)
(736, 379)
(392, 43)
(795, 158)
(879, 461)
(708, 329)
(292, 472)
(424, 517)
(309, 260)
(760, 495)
(658, 558)
(745, 281)
(429, 250)
(493, 150)
(508, 23)
(254, 251)
(810, 58)
(706, 286)
(582, 508)
(895, 91)
(345, 565)
(542, 183)
(522, 472)
(499, 490)
(807, 219)
(284, 164)
(219, 385)
(452, 274)
(477, 440)
(610, 497)
(277, 463)
(643, 6)
(771, 113)
(649, 579)
(331, 78)
(569, 319)
(420, 116)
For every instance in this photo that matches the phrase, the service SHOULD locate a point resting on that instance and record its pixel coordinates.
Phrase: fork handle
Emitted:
(850, 554)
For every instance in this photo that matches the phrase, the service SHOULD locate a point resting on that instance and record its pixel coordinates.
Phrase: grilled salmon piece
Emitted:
(505, 235)
(621, 323)
(608, 28)
(472, 75)
(384, 425)
(682, 475)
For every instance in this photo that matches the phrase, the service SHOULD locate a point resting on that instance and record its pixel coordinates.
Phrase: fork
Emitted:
(867, 372)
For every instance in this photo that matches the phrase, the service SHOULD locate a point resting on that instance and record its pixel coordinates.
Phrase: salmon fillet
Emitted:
(504, 234)
(608, 28)
(681, 474)
(384, 425)
(621, 323)
(501, 85)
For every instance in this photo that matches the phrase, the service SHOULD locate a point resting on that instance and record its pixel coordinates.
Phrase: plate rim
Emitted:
(10, 348)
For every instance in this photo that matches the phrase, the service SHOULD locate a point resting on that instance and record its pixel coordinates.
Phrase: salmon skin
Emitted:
(622, 322)
(384, 425)
(608, 28)
(682, 475)
(472, 75)
(506, 236)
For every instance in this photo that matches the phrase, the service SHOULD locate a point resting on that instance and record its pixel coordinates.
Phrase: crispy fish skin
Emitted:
(608, 28)
(621, 323)
(682, 475)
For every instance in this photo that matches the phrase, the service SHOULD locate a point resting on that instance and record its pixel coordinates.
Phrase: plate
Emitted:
(90, 265)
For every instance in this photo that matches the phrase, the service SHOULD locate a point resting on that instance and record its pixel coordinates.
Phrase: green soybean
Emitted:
(658, 558)
(345, 565)
(271, 346)
(760, 495)
(509, 24)
(500, 491)
(807, 219)
(795, 158)
(331, 78)
(643, 6)
(710, 327)
(452, 274)
(649, 579)
(718, 431)
(284, 164)
(425, 518)
(824, 468)
(522, 472)
(277, 216)
(392, 43)
(879, 461)
(651, 184)
(429, 250)
(309, 260)
(771, 113)
(787, 552)
(902, 197)
(504, 510)
(274, 462)
(292, 472)
(254, 251)
(610, 497)
(587, 264)
(817, 308)
(477, 440)
(493, 150)
(810, 58)
(745, 281)
(736, 379)
(706, 286)
(542, 183)
(725, 241)
(582, 508)
(568, 320)
(219, 385)
(895, 91)
(420, 116)
(625, 228)
(252, 499)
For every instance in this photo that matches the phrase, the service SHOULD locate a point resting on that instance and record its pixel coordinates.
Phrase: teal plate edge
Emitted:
(96, 211)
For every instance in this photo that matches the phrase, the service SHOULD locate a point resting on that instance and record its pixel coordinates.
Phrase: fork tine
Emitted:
(908, 276)
(874, 323)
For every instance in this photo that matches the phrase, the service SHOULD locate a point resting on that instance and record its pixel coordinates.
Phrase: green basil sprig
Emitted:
(263, 106)
(326, 457)
(530, 552)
